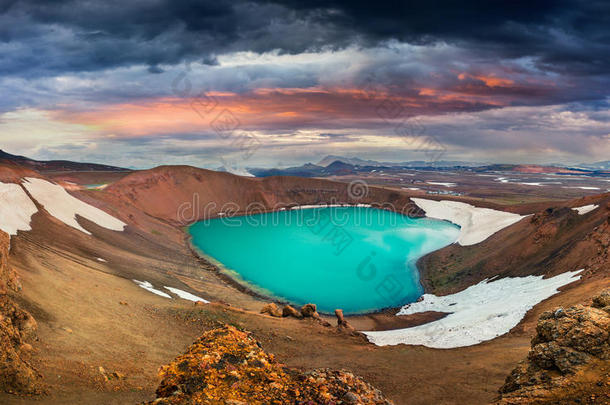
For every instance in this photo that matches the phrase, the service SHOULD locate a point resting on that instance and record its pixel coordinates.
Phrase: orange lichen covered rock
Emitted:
(569, 361)
(228, 366)
(16, 328)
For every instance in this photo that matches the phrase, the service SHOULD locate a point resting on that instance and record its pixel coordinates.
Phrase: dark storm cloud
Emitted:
(73, 35)
(96, 79)
(569, 35)
(47, 37)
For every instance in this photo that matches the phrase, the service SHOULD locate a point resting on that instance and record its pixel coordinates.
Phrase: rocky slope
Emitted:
(13, 173)
(229, 366)
(569, 361)
(549, 242)
(600, 240)
(64, 276)
(183, 194)
(17, 327)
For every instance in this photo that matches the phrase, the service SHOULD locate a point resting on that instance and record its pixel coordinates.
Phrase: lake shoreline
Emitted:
(380, 320)
(377, 320)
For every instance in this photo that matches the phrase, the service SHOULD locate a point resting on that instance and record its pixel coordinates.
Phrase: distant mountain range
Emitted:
(55, 165)
(413, 163)
(333, 165)
(596, 166)
(342, 166)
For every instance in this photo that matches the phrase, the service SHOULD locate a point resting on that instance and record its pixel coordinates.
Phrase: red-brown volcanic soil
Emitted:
(175, 193)
(91, 314)
(547, 243)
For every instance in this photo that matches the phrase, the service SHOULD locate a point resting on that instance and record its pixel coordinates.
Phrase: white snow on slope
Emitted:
(239, 171)
(186, 295)
(481, 312)
(65, 207)
(16, 209)
(306, 207)
(477, 224)
(585, 188)
(585, 209)
(149, 287)
(438, 183)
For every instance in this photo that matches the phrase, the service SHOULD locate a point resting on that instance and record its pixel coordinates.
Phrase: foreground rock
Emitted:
(17, 327)
(342, 323)
(289, 311)
(228, 366)
(310, 311)
(602, 301)
(569, 362)
(272, 309)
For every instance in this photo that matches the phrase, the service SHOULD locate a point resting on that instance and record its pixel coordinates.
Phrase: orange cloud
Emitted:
(427, 92)
(490, 81)
(269, 108)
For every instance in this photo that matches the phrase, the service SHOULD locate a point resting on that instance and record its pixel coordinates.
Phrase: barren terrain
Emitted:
(91, 314)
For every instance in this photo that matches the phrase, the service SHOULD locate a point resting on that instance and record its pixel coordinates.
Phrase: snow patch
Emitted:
(99, 259)
(305, 207)
(149, 287)
(586, 188)
(438, 183)
(480, 312)
(585, 209)
(65, 207)
(186, 295)
(477, 224)
(505, 180)
(239, 171)
(16, 209)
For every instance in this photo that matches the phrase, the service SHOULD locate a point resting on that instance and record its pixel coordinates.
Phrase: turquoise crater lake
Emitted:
(358, 259)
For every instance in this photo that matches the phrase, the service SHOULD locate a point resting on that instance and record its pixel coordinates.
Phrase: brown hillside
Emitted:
(12, 173)
(183, 194)
(91, 314)
(547, 243)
